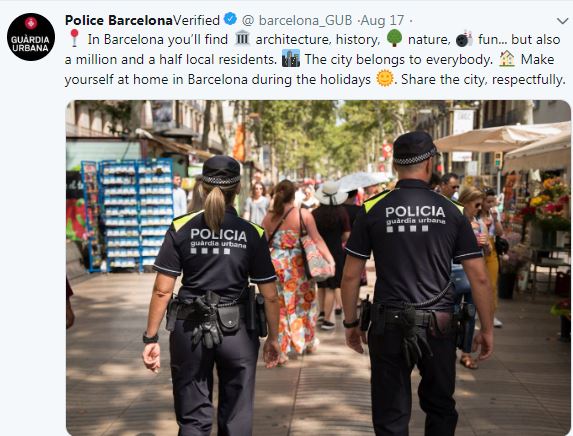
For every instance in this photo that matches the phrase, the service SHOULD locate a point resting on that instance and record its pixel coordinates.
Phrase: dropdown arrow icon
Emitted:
(563, 21)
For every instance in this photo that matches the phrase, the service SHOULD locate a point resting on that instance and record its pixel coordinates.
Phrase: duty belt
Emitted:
(188, 312)
(423, 317)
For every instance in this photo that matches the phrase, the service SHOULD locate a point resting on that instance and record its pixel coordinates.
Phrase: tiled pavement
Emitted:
(523, 390)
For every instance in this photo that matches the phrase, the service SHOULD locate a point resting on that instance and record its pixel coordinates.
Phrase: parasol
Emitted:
(362, 179)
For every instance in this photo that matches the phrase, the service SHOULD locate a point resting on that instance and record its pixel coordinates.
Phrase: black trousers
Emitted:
(192, 375)
(391, 386)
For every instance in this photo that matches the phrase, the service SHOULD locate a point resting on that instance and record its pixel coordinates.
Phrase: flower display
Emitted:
(549, 208)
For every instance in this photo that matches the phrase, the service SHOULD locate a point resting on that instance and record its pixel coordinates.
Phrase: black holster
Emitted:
(251, 318)
(261, 316)
(172, 311)
(464, 313)
(365, 313)
(256, 318)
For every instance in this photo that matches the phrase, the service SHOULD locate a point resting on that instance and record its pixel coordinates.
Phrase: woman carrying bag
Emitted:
(297, 296)
(333, 224)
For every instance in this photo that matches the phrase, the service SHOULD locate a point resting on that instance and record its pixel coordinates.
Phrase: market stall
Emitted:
(537, 204)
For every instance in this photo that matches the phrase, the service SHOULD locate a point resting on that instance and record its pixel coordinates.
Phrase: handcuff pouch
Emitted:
(229, 318)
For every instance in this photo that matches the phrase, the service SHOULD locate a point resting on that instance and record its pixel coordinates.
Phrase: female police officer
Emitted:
(218, 252)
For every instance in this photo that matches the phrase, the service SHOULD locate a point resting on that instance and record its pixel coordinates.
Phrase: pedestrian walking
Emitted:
(414, 234)
(179, 197)
(257, 204)
(218, 253)
(297, 295)
(471, 198)
(333, 224)
(309, 201)
(489, 220)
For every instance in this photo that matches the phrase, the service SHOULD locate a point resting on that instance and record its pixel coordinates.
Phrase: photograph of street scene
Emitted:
(142, 180)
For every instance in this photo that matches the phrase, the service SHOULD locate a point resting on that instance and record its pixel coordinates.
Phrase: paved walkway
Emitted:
(523, 390)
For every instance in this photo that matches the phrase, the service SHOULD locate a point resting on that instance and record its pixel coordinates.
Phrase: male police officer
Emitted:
(414, 234)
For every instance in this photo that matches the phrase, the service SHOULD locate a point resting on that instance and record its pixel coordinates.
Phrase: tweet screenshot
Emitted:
(286, 218)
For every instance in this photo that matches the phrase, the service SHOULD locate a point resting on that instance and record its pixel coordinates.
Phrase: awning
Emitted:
(502, 138)
(553, 152)
(173, 146)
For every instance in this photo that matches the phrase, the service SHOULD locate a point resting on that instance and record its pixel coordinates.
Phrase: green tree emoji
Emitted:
(394, 37)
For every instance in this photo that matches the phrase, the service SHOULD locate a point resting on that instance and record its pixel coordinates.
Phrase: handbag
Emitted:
(315, 265)
(501, 245)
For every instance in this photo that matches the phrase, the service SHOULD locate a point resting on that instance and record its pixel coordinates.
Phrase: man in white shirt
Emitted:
(179, 197)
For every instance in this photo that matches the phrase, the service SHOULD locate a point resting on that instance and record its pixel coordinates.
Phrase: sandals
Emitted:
(468, 362)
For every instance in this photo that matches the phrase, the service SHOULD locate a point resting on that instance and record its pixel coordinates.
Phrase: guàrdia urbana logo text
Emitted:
(31, 37)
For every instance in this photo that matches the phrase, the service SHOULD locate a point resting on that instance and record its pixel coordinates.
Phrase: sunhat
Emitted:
(330, 194)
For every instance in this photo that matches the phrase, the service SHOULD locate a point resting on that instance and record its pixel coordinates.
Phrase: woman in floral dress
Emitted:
(297, 295)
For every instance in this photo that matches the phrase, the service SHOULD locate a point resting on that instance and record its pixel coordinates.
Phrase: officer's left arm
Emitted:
(160, 297)
(350, 286)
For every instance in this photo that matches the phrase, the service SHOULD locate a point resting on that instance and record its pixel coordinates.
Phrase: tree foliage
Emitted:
(329, 137)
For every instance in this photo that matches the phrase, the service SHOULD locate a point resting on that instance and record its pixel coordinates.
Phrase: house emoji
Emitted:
(506, 59)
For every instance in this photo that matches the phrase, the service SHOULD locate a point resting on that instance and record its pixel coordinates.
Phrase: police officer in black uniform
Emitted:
(218, 253)
(414, 234)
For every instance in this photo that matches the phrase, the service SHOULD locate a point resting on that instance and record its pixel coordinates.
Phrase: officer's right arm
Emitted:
(160, 297)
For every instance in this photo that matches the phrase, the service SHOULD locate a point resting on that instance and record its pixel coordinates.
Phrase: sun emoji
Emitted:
(385, 77)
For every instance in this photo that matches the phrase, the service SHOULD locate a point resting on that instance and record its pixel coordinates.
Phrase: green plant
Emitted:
(394, 37)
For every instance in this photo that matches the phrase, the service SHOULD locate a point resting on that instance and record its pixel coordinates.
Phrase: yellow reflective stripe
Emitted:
(259, 229)
(458, 205)
(180, 222)
(369, 204)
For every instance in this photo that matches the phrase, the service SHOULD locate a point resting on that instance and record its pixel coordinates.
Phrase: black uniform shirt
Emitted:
(222, 262)
(414, 233)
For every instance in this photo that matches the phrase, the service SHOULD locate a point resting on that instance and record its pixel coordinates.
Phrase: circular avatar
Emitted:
(31, 37)
(385, 77)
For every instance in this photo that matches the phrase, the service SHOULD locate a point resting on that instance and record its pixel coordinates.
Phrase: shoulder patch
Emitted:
(184, 219)
(455, 203)
(258, 228)
(371, 202)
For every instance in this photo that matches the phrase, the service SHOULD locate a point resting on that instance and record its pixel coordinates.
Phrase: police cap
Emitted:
(413, 147)
(221, 171)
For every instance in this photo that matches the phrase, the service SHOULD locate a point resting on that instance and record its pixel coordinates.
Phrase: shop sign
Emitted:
(463, 121)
